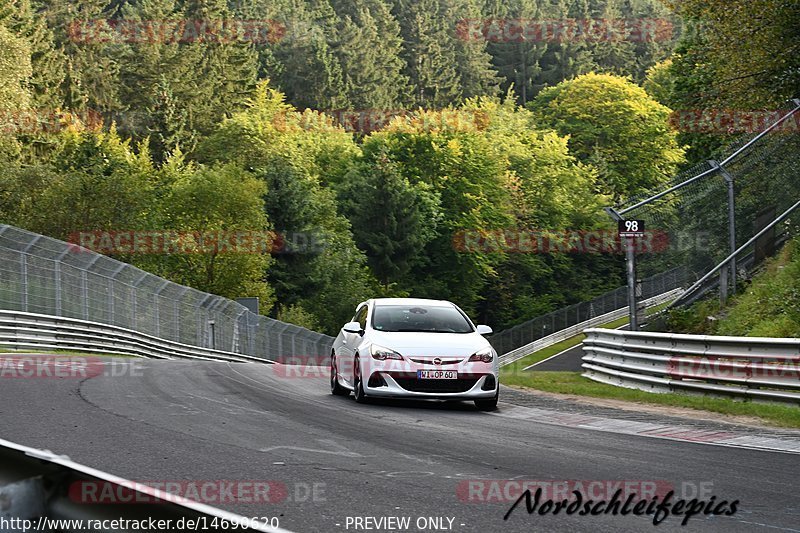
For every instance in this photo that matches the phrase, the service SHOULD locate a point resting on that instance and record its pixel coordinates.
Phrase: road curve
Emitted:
(185, 420)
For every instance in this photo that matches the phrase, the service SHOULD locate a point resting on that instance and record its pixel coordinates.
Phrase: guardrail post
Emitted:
(212, 333)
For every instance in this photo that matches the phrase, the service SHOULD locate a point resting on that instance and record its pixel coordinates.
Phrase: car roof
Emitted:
(411, 301)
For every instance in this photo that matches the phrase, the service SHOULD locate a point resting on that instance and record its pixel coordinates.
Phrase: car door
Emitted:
(350, 344)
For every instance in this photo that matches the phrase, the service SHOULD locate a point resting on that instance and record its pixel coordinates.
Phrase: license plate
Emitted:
(437, 374)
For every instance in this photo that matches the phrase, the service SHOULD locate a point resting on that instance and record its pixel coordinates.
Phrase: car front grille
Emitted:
(412, 384)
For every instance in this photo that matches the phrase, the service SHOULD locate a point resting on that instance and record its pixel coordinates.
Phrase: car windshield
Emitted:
(436, 319)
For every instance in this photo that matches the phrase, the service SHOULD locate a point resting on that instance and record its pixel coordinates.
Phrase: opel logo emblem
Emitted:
(437, 361)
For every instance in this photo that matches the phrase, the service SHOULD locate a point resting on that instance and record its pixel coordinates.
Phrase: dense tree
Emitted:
(192, 205)
(320, 270)
(14, 94)
(616, 127)
(461, 166)
(305, 65)
(102, 185)
(750, 48)
(430, 52)
(393, 220)
(368, 47)
(517, 59)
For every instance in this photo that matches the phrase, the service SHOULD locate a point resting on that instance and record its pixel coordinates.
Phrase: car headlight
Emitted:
(381, 354)
(482, 356)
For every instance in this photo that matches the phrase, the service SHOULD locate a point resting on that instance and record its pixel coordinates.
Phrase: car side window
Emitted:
(361, 317)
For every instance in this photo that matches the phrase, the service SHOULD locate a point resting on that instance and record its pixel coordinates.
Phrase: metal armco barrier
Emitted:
(35, 487)
(30, 331)
(564, 334)
(744, 367)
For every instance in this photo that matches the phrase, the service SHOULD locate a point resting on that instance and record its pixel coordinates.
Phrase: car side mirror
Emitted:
(353, 327)
(484, 330)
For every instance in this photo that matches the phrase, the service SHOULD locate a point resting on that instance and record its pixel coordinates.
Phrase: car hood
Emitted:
(417, 344)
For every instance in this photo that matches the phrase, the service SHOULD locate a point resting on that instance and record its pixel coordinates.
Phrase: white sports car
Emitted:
(413, 348)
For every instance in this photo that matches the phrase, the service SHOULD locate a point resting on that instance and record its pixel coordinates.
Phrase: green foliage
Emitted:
(431, 64)
(290, 152)
(222, 200)
(101, 184)
(768, 307)
(617, 128)
(392, 218)
(749, 49)
(295, 314)
(15, 70)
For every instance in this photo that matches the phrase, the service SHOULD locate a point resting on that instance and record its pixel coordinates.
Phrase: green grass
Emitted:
(574, 383)
(769, 306)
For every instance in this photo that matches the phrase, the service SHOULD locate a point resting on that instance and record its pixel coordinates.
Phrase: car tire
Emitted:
(489, 404)
(336, 388)
(358, 383)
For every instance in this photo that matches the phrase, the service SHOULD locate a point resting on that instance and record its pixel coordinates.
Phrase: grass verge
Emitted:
(574, 383)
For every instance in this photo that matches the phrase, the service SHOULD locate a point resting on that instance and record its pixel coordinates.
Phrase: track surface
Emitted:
(171, 420)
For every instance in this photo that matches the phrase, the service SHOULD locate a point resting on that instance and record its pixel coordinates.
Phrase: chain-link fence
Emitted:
(718, 206)
(540, 327)
(692, 220)
(39, 274)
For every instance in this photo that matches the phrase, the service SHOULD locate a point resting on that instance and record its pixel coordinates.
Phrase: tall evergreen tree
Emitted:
(91, 73)
(473, 61)
(47, 62)
(517, 60)
(429, 52)
(306, 69)
(368, 46)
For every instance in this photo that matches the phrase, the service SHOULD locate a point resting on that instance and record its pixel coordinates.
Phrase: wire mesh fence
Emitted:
(692, 220)
(717, 206)
(39, 274)
(540, 327)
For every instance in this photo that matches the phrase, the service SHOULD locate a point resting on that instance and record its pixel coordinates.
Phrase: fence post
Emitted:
(723, 286)
(23, 267)
(731, 221)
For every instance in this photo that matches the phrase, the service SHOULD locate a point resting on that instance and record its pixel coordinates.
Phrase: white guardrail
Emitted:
(31, 331)
(564, 334)
(745, 367)
(37, 488)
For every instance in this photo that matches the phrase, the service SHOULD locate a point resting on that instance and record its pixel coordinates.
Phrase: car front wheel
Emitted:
(489, 404)
(358, 383)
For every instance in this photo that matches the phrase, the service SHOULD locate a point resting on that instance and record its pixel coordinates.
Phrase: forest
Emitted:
(366, 136)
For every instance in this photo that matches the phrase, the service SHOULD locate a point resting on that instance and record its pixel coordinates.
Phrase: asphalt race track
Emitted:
(184, 420)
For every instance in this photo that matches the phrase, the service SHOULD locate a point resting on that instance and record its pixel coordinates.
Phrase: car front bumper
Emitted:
(406, 385)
